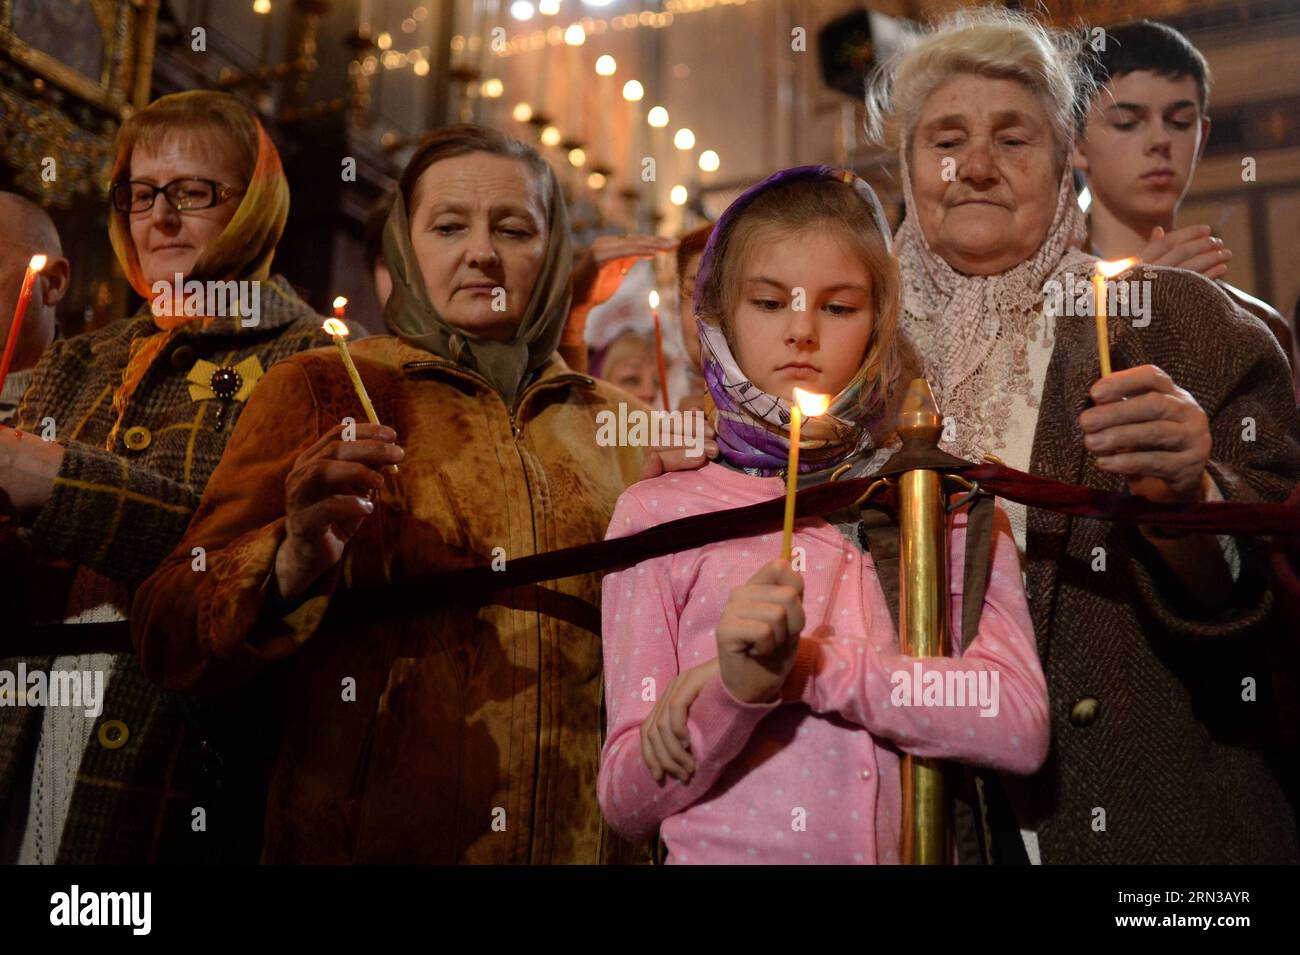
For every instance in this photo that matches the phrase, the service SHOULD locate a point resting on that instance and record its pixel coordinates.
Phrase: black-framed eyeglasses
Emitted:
(183, 195)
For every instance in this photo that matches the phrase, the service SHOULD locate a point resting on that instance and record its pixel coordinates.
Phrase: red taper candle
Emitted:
(659, 349)
(16, 326)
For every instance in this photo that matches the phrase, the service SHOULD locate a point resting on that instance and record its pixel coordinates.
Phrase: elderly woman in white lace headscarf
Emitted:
(1145, 638)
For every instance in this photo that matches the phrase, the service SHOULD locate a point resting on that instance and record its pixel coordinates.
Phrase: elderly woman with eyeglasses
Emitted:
(134, 418)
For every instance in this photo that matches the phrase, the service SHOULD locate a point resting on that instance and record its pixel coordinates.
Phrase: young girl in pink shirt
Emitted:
(758, 714)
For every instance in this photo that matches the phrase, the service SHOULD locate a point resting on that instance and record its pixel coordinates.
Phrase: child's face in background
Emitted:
(805, 313)
(1139, 150)
(637, 375)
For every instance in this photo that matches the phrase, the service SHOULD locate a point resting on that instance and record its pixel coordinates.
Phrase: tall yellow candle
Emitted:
(805, 403)
(335, 328)
(339, 332)
(1105, 270)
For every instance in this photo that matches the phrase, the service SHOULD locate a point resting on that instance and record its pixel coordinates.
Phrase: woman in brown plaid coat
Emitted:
(134, 419)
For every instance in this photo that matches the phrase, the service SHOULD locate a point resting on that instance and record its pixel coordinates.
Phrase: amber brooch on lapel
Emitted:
(227, 383)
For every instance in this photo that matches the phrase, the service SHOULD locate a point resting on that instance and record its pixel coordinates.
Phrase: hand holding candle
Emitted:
(659, 350)
(805, 403)
(1105, 270)
(15, 327)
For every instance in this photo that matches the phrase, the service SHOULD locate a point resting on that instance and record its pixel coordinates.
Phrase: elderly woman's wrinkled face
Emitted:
(478, 228)
(985, 173)
(167, 241)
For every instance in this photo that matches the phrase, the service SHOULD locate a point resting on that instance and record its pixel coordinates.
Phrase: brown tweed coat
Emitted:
(1185, 769)
(117, 514)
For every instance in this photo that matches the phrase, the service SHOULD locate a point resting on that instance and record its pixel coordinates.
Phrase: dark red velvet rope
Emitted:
(473, 583)
(1227, 517)
(1219, 517)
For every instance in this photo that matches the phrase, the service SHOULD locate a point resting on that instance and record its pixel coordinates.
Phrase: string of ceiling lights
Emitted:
(574, 34)
(633, 92)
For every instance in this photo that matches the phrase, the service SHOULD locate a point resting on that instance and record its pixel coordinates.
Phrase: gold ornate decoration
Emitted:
(64, 41)
(69, 73)
(36, 132)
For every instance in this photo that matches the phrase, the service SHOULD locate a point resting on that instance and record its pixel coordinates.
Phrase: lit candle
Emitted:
(805, 403)
(15, 327)
(659, 349)
(1105, 270)
(335, 328)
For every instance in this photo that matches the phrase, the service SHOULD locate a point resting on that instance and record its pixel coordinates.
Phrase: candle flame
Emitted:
(811, 403)
(654, 299)
(336, 328)
(341, 301)
(37, 263)
(1110, 269)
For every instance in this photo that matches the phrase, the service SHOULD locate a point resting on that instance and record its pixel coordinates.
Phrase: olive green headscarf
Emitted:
(410, 314)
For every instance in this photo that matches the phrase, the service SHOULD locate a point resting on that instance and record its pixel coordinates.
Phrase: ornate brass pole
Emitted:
(922, 614)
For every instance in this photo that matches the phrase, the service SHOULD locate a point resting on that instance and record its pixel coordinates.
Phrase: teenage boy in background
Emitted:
(1145, 131)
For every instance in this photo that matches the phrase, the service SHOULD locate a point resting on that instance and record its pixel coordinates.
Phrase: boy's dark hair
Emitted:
(1146, 45)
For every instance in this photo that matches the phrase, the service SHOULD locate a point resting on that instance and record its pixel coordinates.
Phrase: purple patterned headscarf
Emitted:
(753, 426)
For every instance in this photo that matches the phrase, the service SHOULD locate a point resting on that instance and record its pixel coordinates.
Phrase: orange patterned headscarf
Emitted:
(245, 247)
